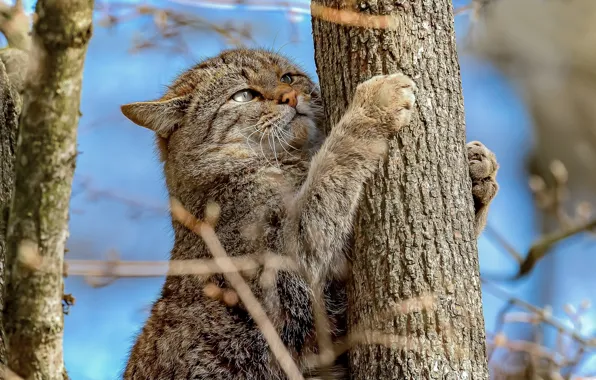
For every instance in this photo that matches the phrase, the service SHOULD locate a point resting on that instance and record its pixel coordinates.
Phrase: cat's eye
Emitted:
(244, 96)
(286, 78)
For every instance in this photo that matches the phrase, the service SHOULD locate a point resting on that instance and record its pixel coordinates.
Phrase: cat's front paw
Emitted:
(483, 171)
(387, 98)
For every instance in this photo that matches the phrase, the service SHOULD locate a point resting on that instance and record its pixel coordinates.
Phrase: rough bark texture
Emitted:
(45, 163)
(9, 120)
(414, 233)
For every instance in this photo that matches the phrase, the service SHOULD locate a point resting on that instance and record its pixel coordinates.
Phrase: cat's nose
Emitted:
(288, 97)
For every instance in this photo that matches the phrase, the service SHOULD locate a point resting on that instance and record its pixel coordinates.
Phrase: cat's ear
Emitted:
(161, 116)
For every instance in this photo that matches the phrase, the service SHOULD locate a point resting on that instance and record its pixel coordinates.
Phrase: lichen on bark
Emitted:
(45, 162)
(414, 232)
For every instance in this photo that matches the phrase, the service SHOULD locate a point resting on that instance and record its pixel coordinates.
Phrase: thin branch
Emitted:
(546, 317)
(362, 335)
(206, 232)
(169, 24)
(327, 353)
(542, 246)
(136, 205)
(351, 18)
(493, 234)
(15, 25)
(337, 16)
(8, 374)
(119, 269)
(463, 9)
(535, 350)
(537, 357)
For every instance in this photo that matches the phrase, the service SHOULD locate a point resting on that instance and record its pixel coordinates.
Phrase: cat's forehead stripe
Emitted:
(254, 60)
(249, 63)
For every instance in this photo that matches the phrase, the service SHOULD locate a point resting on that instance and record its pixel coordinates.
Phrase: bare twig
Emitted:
(136, 205)
(493, 234)
(463, 9)
(338, 16)
(8, 374)
(362, 335)
(356, 19)
(537, 358)
(542, 246)
(251, 303)
(15, 25)
(534, 349)
(119, 269)
(539, 248)
(327, 354)
(169, 24)
(546, 316)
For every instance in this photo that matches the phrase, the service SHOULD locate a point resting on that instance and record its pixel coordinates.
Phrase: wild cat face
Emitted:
(251, 97)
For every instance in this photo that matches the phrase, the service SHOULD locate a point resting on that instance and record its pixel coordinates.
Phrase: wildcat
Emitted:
(242, 130)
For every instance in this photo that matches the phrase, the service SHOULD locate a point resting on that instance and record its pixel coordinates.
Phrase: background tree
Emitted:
(14, 25)
(414, 234)
(8, 128)
(45, 162)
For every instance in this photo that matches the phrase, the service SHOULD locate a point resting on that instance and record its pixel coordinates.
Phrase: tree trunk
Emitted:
(9, 121)
(45, 163)
(414, 234)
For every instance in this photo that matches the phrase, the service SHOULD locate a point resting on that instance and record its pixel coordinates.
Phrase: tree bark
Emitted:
(45, 162)
(9, 121)
(414, 233)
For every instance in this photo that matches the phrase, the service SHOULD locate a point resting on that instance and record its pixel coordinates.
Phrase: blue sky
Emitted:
(119, 158)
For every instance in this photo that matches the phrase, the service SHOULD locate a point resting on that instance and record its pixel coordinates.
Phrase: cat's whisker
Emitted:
(283, 46)
(287, 135)
(290, 145)
(315, 107)
(282, 141)
(275, 131)
(250, 126)
(287, 138)
(272, 145)
(249, 142)
(312, 90)
(253, 127)
(262, 151)
(282, 132)
(272, 128)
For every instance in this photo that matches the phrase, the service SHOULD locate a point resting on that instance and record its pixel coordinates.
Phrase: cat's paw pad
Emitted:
(390, 98)
(483, 171)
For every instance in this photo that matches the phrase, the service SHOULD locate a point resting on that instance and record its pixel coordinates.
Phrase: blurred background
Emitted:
(529, 79)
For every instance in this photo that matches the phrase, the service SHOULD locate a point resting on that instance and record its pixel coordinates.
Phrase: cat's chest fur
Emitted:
(253, 203)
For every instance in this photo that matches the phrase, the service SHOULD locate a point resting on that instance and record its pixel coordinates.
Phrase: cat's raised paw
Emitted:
(388, 98)
(483, 171)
